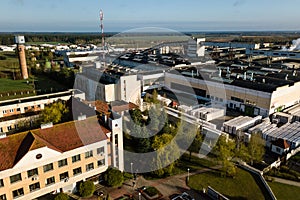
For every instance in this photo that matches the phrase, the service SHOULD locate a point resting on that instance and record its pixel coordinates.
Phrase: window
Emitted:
(101, 162)
(48, 167)
(90, 167)
(88, 154)
(50, 181)
(34, 187)
(18, 109)
(9, 128)
(77, 171)
(32, 172)
(3, 197)
(1, 183)
(11, 110)
(4, 111)
(62, 163)
(17, 193)
(15, 178)
(100, 150)
(76, 158)
(64, 176)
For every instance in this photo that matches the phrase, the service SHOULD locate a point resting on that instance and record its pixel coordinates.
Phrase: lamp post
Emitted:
(188, 178)
(131, 168)
(140, 196)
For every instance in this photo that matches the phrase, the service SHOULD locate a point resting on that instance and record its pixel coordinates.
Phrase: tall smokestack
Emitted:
(20, 41)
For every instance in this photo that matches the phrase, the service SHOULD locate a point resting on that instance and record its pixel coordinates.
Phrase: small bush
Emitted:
(151, 191)
(62, 196)
(114, 177)
(86, 189)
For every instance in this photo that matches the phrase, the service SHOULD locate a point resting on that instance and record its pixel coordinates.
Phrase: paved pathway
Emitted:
(288, 182)
(168, 186)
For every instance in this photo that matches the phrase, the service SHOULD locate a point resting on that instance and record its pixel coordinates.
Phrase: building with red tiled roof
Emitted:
(280, 146)
(58, 157)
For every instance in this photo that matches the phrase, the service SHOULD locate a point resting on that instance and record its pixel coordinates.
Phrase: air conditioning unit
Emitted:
(35, 178)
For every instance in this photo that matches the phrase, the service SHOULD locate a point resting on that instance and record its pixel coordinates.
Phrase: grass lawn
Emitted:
(243, 186)
(45, 85)
(193, 163)
(285, 192)
(7, 85)
(10, 62)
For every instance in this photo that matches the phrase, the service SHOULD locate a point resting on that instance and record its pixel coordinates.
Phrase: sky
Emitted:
(124, 15)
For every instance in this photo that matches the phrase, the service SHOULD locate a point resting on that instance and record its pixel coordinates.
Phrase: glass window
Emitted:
(101, 162)
(100, 150)
(18, 109)
(48, 167)
(50, 181)
(62, 163)
(77, 171)
(1, 183)
(64, 176)
(17, 193)
(15, 178)
(34, 187)
(32, 172)
(90, 167)
(88, 154)
(3, 197)
(76, 158)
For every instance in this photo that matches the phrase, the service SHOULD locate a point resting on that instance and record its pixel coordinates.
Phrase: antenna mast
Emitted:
(102, 32)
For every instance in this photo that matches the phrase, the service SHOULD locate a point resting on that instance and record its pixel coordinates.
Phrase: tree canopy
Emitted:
(86, 188)
(54, 112)
(113, 177)
(62, 196)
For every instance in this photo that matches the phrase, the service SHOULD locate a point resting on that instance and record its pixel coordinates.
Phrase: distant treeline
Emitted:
(70, 38)
(95, 38)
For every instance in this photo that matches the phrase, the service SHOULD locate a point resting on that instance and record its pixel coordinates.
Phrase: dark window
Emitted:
(32, 172)
(48, 167)
(88, 154)
(76, 158)
(17, 193)
(15, 178)
(34, 187)
(89, 167)
(101, 162)
(3, 197)
(62, 163)
(77, 171)
(50, 181)
(1, 183)
(100, 150)
(64, 176)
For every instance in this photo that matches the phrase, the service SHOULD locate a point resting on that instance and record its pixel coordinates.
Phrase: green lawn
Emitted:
(193, 163)
(285, 192)
(7, 85)
(243, 186)
(10, 62)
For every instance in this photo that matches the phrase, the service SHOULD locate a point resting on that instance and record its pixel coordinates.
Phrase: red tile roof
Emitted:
(281, 143)
(62, 138)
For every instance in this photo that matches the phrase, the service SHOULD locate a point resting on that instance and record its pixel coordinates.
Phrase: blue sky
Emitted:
(121, 15)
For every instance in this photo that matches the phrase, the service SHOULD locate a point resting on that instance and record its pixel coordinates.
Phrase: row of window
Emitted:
(49, 167)
(19, 110)
(49, 181)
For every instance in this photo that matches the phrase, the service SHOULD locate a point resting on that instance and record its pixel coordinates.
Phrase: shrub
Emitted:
(114, 177)
(151, 191)
(86, 189)
(62, 196)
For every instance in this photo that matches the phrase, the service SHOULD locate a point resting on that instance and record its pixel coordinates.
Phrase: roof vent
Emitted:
(48, 125)
(81, 117)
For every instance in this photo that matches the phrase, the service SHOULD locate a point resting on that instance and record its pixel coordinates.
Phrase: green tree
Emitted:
(167, 153)
(225, 151)
(62, 196)
(154, 118)
(154, 97)
(86, 189)
(54, 112)
(114, 177)
(256, 148)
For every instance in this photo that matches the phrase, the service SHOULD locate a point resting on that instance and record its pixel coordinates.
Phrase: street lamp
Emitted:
(188, 178)
(131, 168)
(140, 196)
